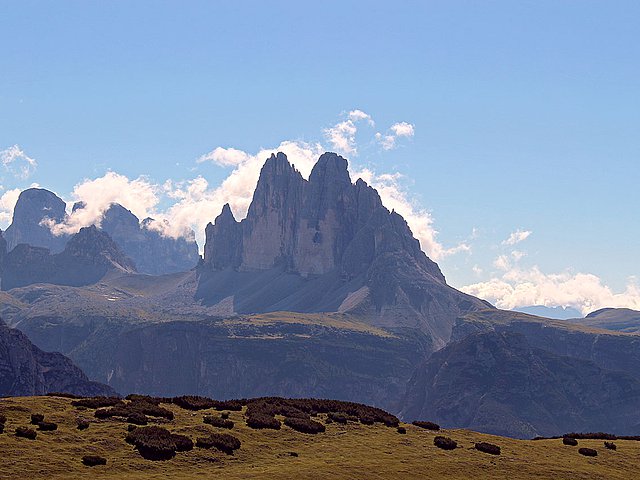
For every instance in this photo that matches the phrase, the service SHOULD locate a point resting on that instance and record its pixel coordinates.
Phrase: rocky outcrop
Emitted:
(35, 210)
(152, 252)
(88, 256)
(27, 370)
(326, 244)
(497, 382)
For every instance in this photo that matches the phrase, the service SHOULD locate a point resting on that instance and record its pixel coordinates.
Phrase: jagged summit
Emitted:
(33, 208)
(325, 244)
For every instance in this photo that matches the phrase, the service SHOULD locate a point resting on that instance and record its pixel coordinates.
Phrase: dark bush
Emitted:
(610, 446)
(293, 454)
(192, 402)
(402, 430)
(488, 448)
(137, 418)
(311, 407)
(367, 420)
(337, 417)
(153, 443)
(97, 402)
(222, 441)
(304, 425)
(224, 415)
(217, 422)
(183, 443)
(569, 441)
(444, 443)
(426, 425)
(36, 418)
(134, 397)
(263, 421)
(3, 419)
(93, 460)
(83, 424)
(1, 427)
(592, 436)
(26, 432)
(47, 426)
(63, 395)
(588, 452)
(138, 408)
(131, 427)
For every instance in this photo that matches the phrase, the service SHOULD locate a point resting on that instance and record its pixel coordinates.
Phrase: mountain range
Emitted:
(320, 291)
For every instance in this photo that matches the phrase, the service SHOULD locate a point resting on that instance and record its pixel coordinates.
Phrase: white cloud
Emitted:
(403, 129)
(139, 195)
(583, 291)
(342, 136)
(389, 139)
(17, 163)
(225, 157)
(357, 115)
(517, 237)
(502, 263)
(7, 203)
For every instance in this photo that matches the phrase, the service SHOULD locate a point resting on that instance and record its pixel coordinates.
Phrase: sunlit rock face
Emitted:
(326, 244)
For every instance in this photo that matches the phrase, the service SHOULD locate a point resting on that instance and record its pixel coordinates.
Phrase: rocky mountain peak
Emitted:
(34, 207)
(96, 246)
(326, 244)
(118, 217)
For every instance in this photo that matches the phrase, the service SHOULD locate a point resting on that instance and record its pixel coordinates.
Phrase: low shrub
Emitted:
(263, 421)
(337, 417)
(47, 426)
(1, 427)
(193, 402)
(26, 432)
(137, 418)
(83, 424)
(402, 430)
(63, 395)
(222, 441)
(367, 420)
(93, 460)
(36, 418)
(445, 443)
(154, 443)
(304, 425)
(588, 452)
(610, 446)
(488, 448)
(136, 408)
(592, 436)
(183, 443)
(3, 418)
(426, 425)
(97, 402)
(134, 397)
(224, 415)
(293, 454)
(217, 422)
(131, 427)
(569, 441)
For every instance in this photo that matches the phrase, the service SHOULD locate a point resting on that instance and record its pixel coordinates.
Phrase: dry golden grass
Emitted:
(351, 451)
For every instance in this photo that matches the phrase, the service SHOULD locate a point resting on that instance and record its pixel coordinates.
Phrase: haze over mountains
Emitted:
(320, 291)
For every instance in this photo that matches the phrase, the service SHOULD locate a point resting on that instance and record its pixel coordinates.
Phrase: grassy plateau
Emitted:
(344, 450)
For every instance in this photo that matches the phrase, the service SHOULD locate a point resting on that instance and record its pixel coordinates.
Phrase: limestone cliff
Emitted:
(326, 244)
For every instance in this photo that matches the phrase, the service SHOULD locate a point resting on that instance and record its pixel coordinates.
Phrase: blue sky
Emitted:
(526, 115)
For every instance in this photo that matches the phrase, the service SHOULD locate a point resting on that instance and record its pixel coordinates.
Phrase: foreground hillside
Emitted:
(351, 450)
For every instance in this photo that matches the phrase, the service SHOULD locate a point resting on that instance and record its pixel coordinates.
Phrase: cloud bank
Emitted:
(586, 292)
